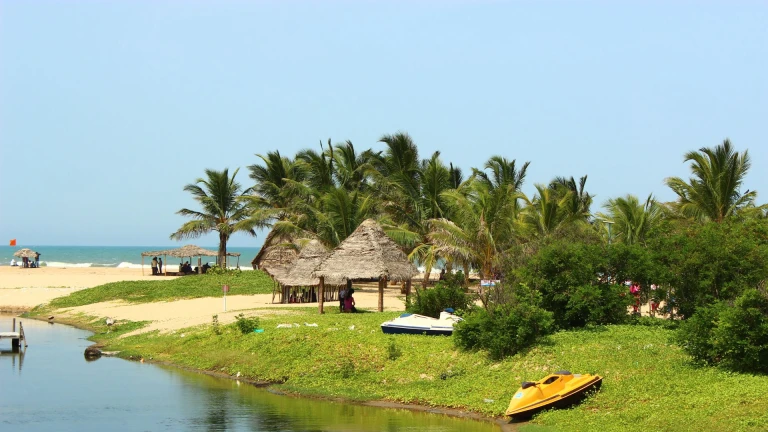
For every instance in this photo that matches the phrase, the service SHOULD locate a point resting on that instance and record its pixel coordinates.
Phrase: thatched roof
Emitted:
(187, 251)
(22, 253)
(300, 274)
(367, 254)
(276, 256)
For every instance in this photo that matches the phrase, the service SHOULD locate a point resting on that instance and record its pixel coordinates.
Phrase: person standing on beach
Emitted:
(159, 266)
(154, 266)
(37, 259)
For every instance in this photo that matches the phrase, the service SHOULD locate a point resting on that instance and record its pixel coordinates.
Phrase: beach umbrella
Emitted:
(25, 253)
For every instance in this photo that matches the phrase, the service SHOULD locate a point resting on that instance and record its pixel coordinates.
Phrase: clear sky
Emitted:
(108, 108)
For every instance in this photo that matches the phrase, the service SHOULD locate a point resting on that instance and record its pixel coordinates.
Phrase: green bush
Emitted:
(597, 304)
(448, 293)
(510, 328)
(734, 337)
(246, 324)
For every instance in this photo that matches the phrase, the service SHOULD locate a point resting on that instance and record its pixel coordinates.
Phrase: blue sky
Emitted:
(108, 108)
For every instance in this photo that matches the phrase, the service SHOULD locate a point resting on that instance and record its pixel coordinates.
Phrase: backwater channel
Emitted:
(51, 387)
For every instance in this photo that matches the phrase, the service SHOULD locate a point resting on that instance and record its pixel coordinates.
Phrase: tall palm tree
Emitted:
(632, 220)
(714, 190)
(271, 179)
(579, 201)
(224, 210)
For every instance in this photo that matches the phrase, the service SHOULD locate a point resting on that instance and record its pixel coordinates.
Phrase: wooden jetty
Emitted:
(15, 336)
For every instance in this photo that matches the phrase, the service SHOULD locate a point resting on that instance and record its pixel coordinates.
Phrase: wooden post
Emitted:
(14, 325)
(407, 290)
(320, 295)
(22, 335)
(142, 265)
(382, 282)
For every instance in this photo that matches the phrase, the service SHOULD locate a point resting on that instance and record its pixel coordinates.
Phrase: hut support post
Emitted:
(320, 295)
(407, 290)
(382, 282)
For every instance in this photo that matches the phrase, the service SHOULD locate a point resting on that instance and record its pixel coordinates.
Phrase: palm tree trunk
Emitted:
(223, 250)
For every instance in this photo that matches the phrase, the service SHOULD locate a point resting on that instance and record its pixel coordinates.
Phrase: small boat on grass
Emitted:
(558, 390)
(419, 324)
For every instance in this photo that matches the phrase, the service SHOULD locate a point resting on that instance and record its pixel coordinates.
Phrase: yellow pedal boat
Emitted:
(558, 390)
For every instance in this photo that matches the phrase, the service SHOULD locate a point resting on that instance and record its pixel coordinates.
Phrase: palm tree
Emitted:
(224, 210)
(271, 180)
(714, 191)
(633, 220)
(579, 201)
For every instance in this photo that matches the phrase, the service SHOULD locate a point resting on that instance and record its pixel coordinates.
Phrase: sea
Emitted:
(114, 256)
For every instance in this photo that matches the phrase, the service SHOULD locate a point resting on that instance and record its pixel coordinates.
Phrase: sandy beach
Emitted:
(23, 289)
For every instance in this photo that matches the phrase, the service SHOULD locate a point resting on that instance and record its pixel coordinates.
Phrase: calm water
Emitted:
(52, 388)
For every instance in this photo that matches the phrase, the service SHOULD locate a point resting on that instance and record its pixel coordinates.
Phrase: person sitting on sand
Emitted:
(14, 263)
(349, 302)
(205, 268)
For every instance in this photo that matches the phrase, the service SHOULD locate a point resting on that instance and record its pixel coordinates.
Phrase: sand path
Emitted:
(23, 289)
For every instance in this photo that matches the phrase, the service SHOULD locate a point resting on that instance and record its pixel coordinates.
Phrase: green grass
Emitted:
(207, 285)
(649, 384)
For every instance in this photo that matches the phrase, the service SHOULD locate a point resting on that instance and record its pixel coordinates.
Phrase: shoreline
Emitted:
(501, 422)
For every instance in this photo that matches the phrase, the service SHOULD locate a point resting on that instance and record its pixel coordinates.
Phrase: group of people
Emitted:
(157, 266)
(26, 262)
(634, 289)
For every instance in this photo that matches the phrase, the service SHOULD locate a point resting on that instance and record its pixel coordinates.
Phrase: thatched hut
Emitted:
(299, 279)
(276, 255)
(368, 253)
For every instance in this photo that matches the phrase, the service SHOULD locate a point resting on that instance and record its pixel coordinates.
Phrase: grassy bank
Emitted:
(649, 384)
(185, 287)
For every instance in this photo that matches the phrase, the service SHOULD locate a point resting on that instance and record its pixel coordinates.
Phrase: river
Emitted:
(51, 387)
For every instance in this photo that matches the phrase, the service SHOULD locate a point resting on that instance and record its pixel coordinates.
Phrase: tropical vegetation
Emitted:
(551, 250)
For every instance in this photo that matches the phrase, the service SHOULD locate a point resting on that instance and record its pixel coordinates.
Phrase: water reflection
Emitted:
(60, 391)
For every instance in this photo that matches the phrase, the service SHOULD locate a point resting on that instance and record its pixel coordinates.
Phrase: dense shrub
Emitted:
(510, 328)
(448, 293)
(597, 304)
(703, 264)
(580, 283)
(732, 336)
(246, 324)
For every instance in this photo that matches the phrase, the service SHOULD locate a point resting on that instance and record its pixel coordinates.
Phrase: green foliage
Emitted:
(703, 264)
(193, 286)
(219, 270)
(215, 325)
(578, 281)
(393, 351)
(448, 293)
(597, 304)
(734, 337)
(246, 325)
(509, 329)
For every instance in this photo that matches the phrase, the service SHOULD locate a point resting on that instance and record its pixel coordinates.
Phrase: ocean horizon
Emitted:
(114, 256)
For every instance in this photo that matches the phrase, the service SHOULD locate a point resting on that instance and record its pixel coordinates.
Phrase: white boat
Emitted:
(419, 324)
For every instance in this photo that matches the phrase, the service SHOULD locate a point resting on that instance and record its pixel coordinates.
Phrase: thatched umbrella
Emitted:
(366, 254)
(25, 253)
(183, 252)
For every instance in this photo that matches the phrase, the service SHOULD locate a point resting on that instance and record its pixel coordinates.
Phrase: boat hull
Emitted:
(415, 330)
(560, 390)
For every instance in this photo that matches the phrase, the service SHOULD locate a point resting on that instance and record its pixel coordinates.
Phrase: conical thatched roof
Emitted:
(28, 253)
(300, 274)
(367, 254)
(275, 257)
